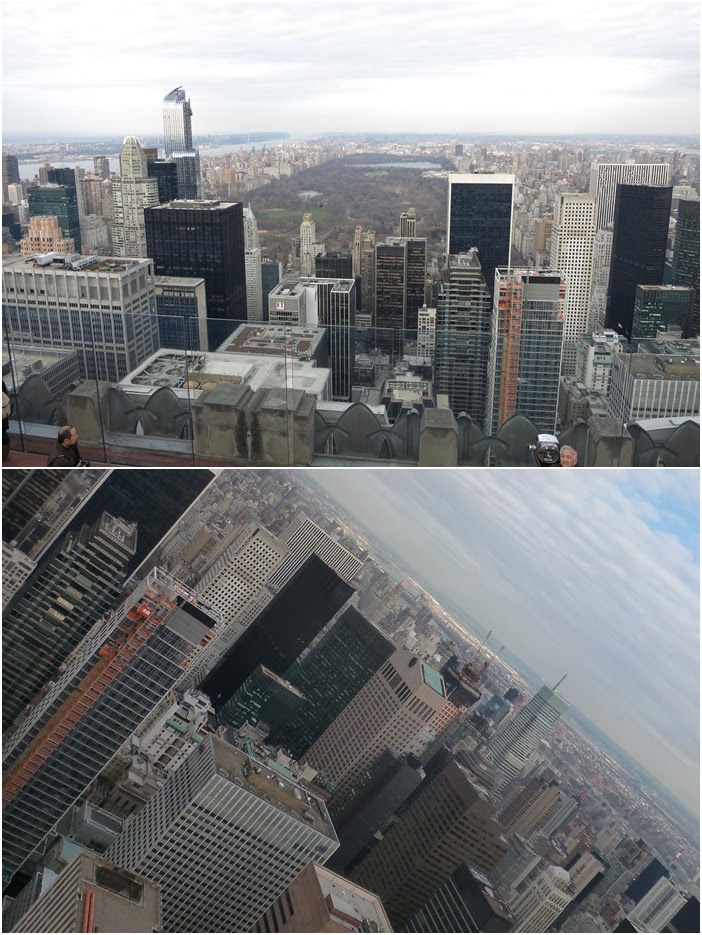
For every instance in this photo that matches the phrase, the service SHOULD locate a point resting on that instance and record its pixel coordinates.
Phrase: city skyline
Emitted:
(616, 72)
(619, 634)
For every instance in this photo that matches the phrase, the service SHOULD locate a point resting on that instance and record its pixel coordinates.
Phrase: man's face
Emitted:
(70, 442)
(568, 458)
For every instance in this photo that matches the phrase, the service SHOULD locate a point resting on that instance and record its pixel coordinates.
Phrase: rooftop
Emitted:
(184, 204)
(182, 282)
(432, 678)
(74, 261)
(262, 779)
(274, 340)
(659, 366)
(348, 901)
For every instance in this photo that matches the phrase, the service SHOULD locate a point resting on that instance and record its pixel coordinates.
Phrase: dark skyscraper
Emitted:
(333, 265)
(686, 258)
(480, 216)
(464, 903)
(23, 495)
(334, 670)
(203, 238)
(283, 630)
(46, 620)
(166, 175)
(463, 336)
(660, 307)
(641, 216)
(400, 271)
(10, 173)
(57, 200)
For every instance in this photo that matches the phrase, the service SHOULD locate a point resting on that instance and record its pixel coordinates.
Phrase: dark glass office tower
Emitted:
(264, 699)
(46, 620)
(153, 500)
(641, 216)
(336, 667)
(333, 265)
(283, 630)
(660, 307)
(116, 678)
(463, 335)
(271, 274)
(649, 876)
(23, 494)
(400, 273)
(465, 902)
(58, 200)
(686, 258)
(480, 216)
(166, 174)
(203, 238)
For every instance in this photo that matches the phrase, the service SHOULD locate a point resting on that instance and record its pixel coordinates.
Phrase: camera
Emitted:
(547, 451)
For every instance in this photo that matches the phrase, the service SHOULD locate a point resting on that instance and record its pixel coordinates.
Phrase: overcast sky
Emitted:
(593, 573)
(544, 67)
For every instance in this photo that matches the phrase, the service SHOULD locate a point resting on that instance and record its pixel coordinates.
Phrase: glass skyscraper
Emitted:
(336, 667)
(480, 216)
(660, 307)
(641, 217)
(177, 124)
(686, 258)
(58, 200)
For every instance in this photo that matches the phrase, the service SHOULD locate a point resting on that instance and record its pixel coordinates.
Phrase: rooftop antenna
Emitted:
(559, 683)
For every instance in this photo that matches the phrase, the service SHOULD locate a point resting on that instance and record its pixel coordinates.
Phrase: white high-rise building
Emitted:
(426, 333)
(252, 266)
(131, 193)
(602, 258)
(309, 248)
(572, 252)
(223, 839)
(605, 176)
(658, 906)
(305, 538)
(542, 900)
(512, 746)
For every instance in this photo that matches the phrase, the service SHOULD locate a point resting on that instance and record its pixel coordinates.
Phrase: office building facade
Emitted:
(526, 348)
(686, 258)
(400, 274)
(529, 808)
(640, 236)
(181, 307)
(203, 239)
(514, 743)
(60, 201)
(125, 666)
(102, 307)
(463, 337)
(606, 176)
(480, 217)
(45, 236)
(661, 308)
(46, 623)
(132, 193)
(333, 264)
(655, 384)
(543, 899)
(165, 174)
(572, 255)
(337, 665)
(389, 711)
(224, 828)
(449, 822)
(464, 903)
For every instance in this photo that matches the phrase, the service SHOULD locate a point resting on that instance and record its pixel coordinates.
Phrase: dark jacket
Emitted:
(63, 457)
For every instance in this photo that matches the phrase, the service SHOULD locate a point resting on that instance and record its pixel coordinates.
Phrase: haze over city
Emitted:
(600, 582)
(541, 68)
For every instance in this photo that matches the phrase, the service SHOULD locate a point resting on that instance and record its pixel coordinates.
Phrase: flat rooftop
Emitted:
(263, 780)
(274, 340)
(433, 679)
(75, 262)
(184, 204)
(344, 898)
(181, 282)
(661, 367)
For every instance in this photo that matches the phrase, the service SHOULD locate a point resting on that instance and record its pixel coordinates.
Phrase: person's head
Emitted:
(67, 436)
(569, 456)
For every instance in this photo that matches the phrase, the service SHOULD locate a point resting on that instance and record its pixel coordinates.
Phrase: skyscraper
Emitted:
(61, 201)
(572, 255)
(45, 236)
(450, 821)
(641, 217)
(308, 245)
(660, 308)
(606, 176)
(124, 667)
(408, 223)
(178, 142)
(131, 194)
(655, 910)
(23, 495)
(465, 902)
(463, 336)
(389, 711)
(166, 175)
(342, 659)
(333, 264)
(264, 699)
(177, 124)
(542, 900)
(686, 258)
(223, 839)
(286, 626)
(526, 348)
(530, 807)
(400, 272)
(45, 623)
(252, 261)
(203, 238)
(10, 173)
(512, 746)
(480, 216)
